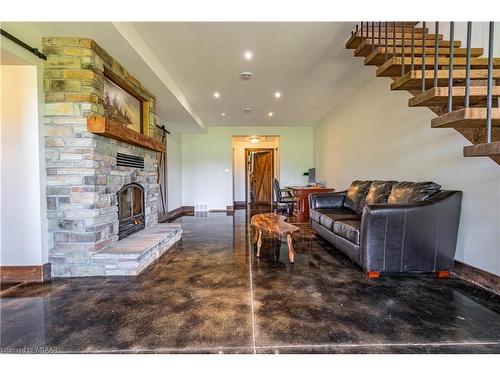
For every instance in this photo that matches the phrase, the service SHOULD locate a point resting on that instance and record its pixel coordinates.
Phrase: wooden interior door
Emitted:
(260, 178)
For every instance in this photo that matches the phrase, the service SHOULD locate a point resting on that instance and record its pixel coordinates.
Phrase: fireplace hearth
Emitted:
(130, 210)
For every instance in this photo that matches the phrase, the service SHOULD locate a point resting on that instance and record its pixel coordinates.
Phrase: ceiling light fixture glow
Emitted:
(248, 55)
(277, 94)
(217, 94)
(254, 139)
(223, 114)
(270, 114)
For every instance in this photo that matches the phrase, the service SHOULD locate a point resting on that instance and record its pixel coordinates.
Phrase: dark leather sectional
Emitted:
(389, 226)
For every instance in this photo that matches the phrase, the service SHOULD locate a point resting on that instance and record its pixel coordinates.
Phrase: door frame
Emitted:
(247, 151)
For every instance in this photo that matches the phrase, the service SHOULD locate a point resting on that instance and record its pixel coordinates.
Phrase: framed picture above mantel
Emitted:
(124, 105)
(126, 113)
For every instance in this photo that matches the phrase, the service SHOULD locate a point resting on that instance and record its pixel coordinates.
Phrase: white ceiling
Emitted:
(307, 62)
(184, 63)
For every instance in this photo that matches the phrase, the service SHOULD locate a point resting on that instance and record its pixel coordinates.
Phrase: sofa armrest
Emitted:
(411, 237)
(327, 200)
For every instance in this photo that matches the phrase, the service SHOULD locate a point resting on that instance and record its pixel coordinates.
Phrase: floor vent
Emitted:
(200, 207)
(124, 160)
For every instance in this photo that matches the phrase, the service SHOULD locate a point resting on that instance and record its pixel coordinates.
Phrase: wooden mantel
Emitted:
(108, 128)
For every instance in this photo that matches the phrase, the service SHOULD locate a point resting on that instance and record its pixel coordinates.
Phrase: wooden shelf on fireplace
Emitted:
(108, 128)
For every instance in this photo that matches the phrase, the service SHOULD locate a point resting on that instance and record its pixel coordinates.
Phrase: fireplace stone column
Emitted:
(82, 175)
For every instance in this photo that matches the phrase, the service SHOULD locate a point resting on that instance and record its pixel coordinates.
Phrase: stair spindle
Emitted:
(489, 95)
(373, 35)
(467, 65)
(412, 64)
(362, 30)
(423, 56)
(450, 70)
(436, 53)
(379, 34)
(394, 39)
(386, 46)
(403, 45)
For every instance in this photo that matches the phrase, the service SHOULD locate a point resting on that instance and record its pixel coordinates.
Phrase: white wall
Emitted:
(174, 171)
(375, 135)
(23, 215)
(239, 167)
(207, 161)
(479, 35)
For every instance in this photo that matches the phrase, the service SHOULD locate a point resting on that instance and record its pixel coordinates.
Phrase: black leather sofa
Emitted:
(389, 226)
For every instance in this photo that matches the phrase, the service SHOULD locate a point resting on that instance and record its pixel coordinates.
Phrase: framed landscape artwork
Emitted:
(122, 107)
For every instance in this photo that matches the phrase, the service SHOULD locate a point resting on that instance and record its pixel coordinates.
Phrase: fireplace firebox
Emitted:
(130, 210)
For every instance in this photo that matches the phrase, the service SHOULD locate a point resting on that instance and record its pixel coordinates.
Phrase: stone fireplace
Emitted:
(101, 191)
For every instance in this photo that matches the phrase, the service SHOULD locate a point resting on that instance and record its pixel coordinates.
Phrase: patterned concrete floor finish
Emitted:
(212, 295)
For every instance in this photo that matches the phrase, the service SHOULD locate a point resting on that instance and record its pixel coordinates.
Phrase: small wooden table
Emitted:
(301, 196)
(274, 224)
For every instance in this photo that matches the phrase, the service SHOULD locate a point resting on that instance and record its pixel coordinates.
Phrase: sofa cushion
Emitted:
(315, 214)
(356, 195)
(326, 221)
(348, 229)
(379, 192)
(341, 214)
(410, 192)
(326, 216)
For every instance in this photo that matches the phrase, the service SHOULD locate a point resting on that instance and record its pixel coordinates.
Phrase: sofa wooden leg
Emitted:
(442, 274)
(373, 274)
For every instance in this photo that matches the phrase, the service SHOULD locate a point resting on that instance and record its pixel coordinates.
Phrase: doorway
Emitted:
(259, 164)
(242, 144)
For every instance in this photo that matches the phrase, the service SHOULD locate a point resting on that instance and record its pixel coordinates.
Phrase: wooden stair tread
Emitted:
(377, 57)
(438, 96)
(392, 68)
(390, 28)
(355, 39)
(365, 47)
(466, 118)
(482, 149)
(413, 80)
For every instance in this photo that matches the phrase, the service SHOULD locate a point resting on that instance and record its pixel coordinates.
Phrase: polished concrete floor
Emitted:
(212, 295)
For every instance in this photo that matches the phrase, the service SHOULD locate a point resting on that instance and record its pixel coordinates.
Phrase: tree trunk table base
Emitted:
(274, 224)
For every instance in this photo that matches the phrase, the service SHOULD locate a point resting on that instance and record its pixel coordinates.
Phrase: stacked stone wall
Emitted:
(82, 176)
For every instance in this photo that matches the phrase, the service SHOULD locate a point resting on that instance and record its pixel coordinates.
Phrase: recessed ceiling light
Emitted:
(217, 94)
(248, 55)
(277, 94)
(223, 114)
(270, 114)
(247, 110)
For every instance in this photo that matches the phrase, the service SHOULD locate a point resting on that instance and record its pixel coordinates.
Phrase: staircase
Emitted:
(454, 81)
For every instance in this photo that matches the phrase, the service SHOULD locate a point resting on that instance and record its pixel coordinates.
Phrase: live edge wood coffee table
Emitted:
(274, 224)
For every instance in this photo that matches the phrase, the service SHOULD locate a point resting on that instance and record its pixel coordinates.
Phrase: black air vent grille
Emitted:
(124, 160)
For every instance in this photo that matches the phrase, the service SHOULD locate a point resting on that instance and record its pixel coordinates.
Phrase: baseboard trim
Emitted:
(476, 276)
(239, 204)
(20, 274)
(176, 213)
